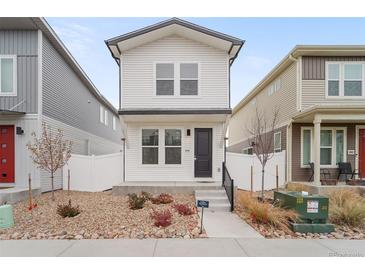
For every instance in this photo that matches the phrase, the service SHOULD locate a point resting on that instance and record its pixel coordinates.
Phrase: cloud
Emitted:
(77, 38)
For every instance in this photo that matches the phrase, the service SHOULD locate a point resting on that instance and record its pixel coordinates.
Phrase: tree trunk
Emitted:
(52, 185)
(262, 184)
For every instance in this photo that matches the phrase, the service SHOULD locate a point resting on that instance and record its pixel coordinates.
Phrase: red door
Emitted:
(362, 152)
(7, 154)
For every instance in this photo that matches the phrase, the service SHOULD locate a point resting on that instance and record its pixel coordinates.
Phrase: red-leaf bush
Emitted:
(162, 218)
(183, 209)
(163, 198)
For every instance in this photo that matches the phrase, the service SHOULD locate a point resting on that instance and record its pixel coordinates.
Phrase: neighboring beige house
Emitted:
(319, 91)
(174, 100)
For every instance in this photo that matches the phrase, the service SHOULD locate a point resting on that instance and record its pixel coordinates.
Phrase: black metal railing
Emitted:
(228, 184)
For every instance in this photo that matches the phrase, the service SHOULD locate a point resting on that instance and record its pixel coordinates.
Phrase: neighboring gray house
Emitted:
(42, 82)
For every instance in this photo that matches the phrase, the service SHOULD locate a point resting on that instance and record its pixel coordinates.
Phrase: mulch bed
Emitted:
(103, 216)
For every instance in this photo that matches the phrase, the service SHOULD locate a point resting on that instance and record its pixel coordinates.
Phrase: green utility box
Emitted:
(312, 209)
(6, 216)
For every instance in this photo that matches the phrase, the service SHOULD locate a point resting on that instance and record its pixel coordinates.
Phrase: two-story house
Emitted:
(174, 100)
(40, 81)
(319, 91)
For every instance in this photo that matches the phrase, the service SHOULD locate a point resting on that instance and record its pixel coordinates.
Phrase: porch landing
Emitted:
(161, 187)
(316, 189)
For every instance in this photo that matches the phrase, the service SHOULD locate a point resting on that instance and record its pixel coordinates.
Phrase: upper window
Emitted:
(247, 151)
(8, 75)
(277, 141)
(150, 146)
(189, 79)
(101, 115)
(165, 79)
(114, 123)
(345, 79)
(106, 118)
(274, 87)
(172, 146)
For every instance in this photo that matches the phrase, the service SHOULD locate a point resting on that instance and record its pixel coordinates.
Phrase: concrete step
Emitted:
(211, 193)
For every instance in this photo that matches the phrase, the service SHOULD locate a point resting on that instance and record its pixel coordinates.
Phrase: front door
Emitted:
(7, 154)
(362, 152)
(203, 152)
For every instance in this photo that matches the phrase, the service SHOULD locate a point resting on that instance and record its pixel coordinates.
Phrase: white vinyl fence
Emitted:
(94, 173)
(239, 167)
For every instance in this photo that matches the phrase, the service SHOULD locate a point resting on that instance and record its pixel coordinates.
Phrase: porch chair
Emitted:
(323, 171)
(346, 169)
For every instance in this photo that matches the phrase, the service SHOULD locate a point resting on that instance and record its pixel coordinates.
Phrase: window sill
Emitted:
(7, 94)
(345, 97)
(177, 96)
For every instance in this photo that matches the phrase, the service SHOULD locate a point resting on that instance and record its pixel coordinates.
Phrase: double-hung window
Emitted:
(150, 146)
(332, 146)
(165, 79)
(247, 151)
(345, 79)
(189, 73)
(8, 75)
(173, 146)
(114, 123)
(277, 141)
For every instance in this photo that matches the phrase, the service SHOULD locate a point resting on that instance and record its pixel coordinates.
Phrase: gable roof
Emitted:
(119, 44)
(34, 23)
(297, 51)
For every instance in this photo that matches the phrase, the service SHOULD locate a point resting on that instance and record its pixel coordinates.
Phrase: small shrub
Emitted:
(183, 209)
(346, 207)
(163, 198)
(162, 218)
(135, 201)
(148, 196)
(68, 210)
(266, 213)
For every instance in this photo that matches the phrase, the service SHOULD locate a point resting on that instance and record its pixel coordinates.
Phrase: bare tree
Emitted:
(261, 132)
(50, 152)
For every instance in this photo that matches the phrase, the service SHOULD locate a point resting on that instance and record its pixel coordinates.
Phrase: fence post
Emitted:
(277, 178)
(251, 180)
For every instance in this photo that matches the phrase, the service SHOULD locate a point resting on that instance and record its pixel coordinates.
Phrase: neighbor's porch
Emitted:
(323, 137)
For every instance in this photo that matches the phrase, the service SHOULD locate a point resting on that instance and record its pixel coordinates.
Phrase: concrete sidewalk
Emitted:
(211, 247)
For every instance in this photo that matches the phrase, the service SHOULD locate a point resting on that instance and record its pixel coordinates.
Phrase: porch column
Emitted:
(316, 150)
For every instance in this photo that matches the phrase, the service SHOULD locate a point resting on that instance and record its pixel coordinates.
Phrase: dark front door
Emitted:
(7, 154)
(203, 152)
(362, 152)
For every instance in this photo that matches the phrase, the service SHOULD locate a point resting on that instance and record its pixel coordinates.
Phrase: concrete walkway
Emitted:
(227, 225)
(212, 247)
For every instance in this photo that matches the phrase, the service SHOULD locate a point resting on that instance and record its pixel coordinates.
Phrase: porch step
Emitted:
(218, 200)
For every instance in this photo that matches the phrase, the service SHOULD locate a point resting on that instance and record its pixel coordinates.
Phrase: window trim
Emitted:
(176, 79)
(15, 75)
(155, 79)
(142, 146)
(341, 80)
(198, 79)
(101, 114)
(279, 149)
(166, 146)
(106, 117)
(114, 123)
(333, 152)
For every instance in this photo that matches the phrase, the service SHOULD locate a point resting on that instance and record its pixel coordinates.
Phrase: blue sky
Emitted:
(268, 40)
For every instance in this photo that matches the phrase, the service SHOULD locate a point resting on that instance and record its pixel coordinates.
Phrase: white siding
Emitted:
(138, 74)
(135, 171)
(23, 163)
(82, 141)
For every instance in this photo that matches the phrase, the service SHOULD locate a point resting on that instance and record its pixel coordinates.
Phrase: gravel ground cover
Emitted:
(341, 232)
(103, 216)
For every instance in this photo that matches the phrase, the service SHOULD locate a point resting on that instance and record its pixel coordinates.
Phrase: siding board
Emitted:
(23, 44)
